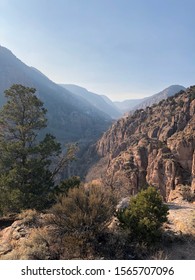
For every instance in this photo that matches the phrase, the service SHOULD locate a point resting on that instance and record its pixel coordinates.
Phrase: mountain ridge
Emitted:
(95, 100)
(70, 118)
(134, 104)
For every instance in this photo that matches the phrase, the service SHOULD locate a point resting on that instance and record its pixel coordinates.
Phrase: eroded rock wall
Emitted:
(154, 146)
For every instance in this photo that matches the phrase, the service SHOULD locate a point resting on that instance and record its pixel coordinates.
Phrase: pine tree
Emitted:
(144, 216)
(26, 174)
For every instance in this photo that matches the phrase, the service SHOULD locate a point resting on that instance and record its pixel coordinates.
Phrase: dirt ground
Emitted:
(181, 231)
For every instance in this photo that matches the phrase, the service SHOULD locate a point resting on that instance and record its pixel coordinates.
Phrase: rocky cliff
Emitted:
(155, 146)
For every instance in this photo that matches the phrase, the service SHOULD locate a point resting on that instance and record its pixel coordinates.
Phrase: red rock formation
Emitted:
(153, 146)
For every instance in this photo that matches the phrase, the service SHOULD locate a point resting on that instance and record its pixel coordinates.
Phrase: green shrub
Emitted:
(144, 216)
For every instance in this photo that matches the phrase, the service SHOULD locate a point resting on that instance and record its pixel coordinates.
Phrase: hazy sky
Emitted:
(121, 48)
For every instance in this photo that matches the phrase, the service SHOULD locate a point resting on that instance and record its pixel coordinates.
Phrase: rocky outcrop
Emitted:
(19, 237)
(155, 146)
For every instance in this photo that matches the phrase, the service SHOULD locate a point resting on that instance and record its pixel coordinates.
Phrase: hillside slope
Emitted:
(155, 146)
(95, 100)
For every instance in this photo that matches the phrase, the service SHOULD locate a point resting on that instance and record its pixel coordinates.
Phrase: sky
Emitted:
(125, 49)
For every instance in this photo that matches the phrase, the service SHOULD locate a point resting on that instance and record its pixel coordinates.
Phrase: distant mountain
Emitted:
(156, 98)
(127, 105)
(70, 118)
(107, 100)
(134, 104)
(103, 104)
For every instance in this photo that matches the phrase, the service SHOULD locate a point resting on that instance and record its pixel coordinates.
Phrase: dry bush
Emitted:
(36, 246)
(76, 247)
(79, 218)
(159, 255)
(187, 193)
(113, 246)
(83, 211)
(29, 217)
(94, 183)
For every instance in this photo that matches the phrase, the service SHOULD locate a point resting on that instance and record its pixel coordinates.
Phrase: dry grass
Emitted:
(181, 231)
(29, 217)
(182, 218)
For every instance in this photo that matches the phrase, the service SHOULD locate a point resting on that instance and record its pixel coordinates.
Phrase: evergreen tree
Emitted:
(26, 174)
(144, 216)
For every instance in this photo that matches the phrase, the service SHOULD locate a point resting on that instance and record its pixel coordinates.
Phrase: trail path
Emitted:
(182, 222)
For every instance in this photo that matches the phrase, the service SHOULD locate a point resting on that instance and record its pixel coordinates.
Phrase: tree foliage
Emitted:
(65, 185)
(26, 163)
(144, 216)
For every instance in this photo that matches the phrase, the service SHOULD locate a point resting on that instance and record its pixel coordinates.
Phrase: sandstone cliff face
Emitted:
(154, 146)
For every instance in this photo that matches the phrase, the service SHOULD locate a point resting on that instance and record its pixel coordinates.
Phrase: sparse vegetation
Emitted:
(181, 103)
(187, 193)
(161, 144)
(192, 97)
